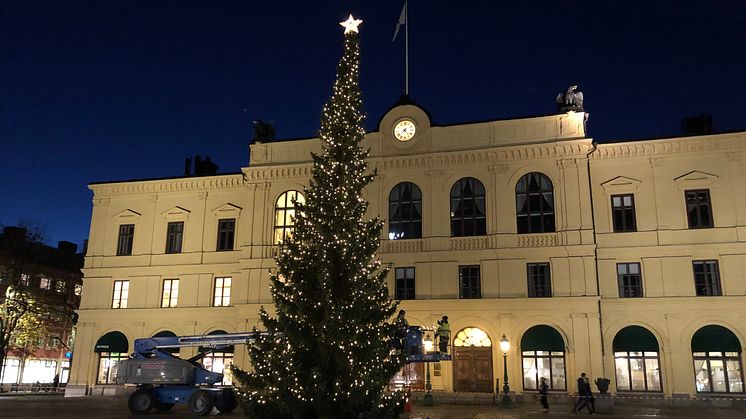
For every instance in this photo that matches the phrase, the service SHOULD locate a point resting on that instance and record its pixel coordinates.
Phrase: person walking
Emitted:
(582, 395)
(544, 391)
(589, 395)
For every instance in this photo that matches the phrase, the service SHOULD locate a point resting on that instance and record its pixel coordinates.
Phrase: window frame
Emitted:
(628, 356)
(473, 224)
(120, 301)
(110, 373)
(527, 212)
(708, 287)
(627, 214)
(125, 239)
(174, 239)
(226, 235)
(549, 357)
(401, 227)
(698, 204)
(221, 300)
(282, 231)
(172, 299)
(402, 289)
(472, 289)
(533, 275)
(724, 358)
(624, 280)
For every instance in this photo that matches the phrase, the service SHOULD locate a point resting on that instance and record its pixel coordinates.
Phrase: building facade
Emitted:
(621, 260)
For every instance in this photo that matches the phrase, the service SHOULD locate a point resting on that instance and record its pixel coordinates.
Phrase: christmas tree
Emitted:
(328, 349)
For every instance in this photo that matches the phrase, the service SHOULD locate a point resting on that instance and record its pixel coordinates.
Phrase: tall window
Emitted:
(226, 233)
(718, 366)
(468, 214)
(534, 204)
(629, 279)
(285, 214)
(219, 361)
(174, 237)
(405, 283)
(539, 280)
(469, 283)
(636, 360)
(222, 294)
(623, 213)
(405, 212)
(45, 283)
(121, 292)
(698, 208)
(126, 235)
(170, 294)
(706, 277)
(107, 366)
(543, 355)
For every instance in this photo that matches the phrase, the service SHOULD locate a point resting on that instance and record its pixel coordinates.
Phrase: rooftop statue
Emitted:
(571, 100)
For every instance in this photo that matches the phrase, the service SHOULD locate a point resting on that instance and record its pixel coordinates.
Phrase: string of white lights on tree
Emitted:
(328, 350)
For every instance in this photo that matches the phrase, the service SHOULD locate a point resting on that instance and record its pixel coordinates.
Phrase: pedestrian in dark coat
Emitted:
(544, 391)
(589, 394)
(582, 395)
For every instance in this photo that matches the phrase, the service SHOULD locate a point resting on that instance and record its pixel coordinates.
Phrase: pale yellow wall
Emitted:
(497, 153)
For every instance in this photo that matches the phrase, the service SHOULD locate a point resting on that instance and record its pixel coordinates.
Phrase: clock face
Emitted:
(404, 130)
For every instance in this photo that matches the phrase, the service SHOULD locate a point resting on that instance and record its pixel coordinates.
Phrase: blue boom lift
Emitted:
(164, 380)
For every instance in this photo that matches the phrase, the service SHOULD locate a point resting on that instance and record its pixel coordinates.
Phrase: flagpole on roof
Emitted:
(406, 48)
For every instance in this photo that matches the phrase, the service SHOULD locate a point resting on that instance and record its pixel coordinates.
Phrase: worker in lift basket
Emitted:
(444, 334)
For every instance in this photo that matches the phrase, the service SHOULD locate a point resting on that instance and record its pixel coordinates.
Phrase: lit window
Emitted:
(285, 214)
(45, 283)
(107, 366)
(222, 292)
(121, 292)
(78, 289)
(59, 286)
(170, 292)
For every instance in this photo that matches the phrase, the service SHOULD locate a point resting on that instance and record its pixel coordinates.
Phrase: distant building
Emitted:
(52, 275)
(623, 260)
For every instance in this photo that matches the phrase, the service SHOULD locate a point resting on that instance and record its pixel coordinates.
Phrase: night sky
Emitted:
(95, 91)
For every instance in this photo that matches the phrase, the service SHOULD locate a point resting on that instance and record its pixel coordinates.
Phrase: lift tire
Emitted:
(163, 407)
(141, 401)
(201, 402)
(226, 401)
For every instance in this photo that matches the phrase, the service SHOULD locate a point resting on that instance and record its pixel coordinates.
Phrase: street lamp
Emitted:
(428, 399)
(506, 401)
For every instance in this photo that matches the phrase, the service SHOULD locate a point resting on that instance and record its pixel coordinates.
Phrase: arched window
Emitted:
(534, 203)
(636, 359)
(468, 208)
(167, 334)
(219, 361)
(405, 212)
(111, 348)
(717, 361)
(543, 355)
(285, 214)
(472, 336)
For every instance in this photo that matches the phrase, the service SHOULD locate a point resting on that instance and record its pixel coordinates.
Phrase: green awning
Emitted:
(635, 339)
(167, 334)
(112, 342)
(715, 339)
(542, 338)
(228, 349)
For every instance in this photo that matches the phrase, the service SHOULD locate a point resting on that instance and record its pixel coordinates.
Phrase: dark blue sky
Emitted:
(113, 90)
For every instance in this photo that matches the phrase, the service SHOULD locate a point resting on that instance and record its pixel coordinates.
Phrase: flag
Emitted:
(402, 20)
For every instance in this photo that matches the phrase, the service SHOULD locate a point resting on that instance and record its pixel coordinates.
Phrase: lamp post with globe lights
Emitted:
(505, 401)
(428, 399)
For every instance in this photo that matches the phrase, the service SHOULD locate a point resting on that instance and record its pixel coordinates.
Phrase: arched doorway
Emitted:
(636, 360)
(717, 361)
(472, 361)
(111, 348)
(543, 355)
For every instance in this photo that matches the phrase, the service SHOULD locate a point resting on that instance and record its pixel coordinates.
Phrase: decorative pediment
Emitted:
(127, 217)
(227, 210)
(696, 179)
(176, 214)
(621, 184)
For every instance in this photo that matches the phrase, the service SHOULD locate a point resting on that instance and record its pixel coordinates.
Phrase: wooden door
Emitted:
(472, 369)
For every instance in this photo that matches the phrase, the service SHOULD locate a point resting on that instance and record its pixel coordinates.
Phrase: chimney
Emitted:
(187, 167)
(67, 247)
(697, 125)
(204, 167)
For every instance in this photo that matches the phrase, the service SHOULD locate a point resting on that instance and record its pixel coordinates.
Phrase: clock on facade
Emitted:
(404, 130)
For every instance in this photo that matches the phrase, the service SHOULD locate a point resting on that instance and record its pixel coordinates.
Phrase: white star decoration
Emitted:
(350, 24)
